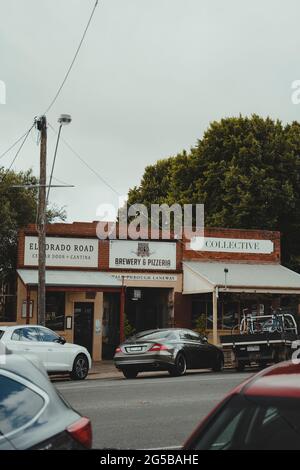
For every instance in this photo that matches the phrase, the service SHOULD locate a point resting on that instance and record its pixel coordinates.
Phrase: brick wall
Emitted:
(81, 230)
(239, 234)
(88, 230)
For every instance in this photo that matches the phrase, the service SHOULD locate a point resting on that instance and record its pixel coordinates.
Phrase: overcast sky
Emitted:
(151, 76)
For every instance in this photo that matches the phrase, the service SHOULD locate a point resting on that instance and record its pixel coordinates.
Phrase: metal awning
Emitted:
(201, 277)
(60, 278)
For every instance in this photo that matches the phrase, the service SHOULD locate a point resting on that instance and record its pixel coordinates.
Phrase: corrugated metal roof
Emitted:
(260, 276)
(69, 278)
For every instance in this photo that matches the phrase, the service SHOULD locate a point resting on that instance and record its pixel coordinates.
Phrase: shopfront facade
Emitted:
(231, 273)
(85, 279)
(98, 289)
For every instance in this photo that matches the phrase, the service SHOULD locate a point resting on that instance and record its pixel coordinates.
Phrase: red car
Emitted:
(262, 413)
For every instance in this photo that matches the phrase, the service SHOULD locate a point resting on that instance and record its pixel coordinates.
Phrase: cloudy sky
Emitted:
(150, 77)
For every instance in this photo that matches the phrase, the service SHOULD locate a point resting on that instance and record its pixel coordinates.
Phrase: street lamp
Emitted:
(226, 270)
(41, 123)
(64, 120)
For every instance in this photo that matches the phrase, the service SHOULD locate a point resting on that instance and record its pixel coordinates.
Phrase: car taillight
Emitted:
(118, 350)
(81, 431)
(158, 347)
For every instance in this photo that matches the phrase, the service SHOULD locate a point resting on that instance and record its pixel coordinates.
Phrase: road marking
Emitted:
(146, 381)
(163, 448)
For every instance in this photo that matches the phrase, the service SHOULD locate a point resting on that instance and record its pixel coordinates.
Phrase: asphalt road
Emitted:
(150, 412)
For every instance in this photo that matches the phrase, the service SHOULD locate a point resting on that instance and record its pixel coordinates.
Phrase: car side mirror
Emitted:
(62, 340)
(205, 339)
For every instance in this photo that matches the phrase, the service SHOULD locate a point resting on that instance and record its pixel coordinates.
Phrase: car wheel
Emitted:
(80, 368)
(130, 373)
(180, 366)
(219, 365)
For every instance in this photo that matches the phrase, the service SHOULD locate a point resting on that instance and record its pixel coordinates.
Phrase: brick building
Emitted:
(165, 282)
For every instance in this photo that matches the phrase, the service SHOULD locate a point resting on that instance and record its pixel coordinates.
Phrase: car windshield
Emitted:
(249, 423)
(155, 335)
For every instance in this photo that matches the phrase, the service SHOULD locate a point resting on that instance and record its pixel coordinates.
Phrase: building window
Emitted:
(55, 310)
(8, 308)
(230, 315)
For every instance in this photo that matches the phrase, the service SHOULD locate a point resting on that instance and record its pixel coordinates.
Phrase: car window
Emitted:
(225, 438)
(16, 336)
(248, 423)
(288, 323)
(29, 334)
(18, 405)
(48, 335)
(156, 335)
(190, 336)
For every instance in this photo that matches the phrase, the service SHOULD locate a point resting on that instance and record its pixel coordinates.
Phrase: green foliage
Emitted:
(128, 328)
(200, 325)
(18, 207)
(245, 170)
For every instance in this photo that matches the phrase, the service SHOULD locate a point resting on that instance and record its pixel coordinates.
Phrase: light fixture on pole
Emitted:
(41, 124)
(64, 120)
(225, 273)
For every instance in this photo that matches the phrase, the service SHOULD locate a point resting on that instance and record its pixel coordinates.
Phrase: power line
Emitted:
(60, 181)
(17, 154)
(85, 163)
(53, 163)
(62, 84)
(16, 142)
(74, 59)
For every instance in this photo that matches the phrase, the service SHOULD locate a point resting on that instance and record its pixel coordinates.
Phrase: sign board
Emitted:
(146, 277)
(155, 256)
(232, 245)
(63, 252)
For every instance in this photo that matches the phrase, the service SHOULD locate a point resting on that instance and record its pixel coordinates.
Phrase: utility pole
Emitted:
(42, 127)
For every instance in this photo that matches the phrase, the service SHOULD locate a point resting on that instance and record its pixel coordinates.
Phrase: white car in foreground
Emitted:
(52, 349)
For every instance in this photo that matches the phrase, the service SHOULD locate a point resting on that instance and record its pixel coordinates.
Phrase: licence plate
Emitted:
(253, 348)
(135, 349)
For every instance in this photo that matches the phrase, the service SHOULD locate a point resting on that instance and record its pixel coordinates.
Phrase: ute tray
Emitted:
(259, 338)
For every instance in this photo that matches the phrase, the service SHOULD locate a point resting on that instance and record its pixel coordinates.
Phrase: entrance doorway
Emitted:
(148, 308)
(110, 325)
(83, 325)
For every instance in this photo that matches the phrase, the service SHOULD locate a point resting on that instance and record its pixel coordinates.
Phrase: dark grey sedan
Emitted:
(174, 350)
(32, 414)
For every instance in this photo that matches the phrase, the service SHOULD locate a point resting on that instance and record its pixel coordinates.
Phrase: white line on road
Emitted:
(153, 381)
(163, 448)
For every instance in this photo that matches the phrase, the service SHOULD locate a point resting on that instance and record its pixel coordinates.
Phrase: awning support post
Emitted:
(215, 316)
(28, 305)
(122, 312)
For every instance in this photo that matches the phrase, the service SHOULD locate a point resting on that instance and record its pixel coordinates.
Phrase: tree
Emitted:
(246, 171)
(18, 208)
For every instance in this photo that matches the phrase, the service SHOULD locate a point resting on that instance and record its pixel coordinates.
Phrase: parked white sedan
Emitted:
(51, 349)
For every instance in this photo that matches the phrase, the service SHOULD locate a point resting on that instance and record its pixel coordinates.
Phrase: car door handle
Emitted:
(50, 349)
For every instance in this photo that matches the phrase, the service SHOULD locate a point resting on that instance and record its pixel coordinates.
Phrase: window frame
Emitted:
(40, 330)
(35, 389)
(21, 335)
(61, 322)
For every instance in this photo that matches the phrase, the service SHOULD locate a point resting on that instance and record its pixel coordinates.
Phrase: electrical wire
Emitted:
(85, 163)
(16, 142)
(74, 59)
(17, 154)
(53, 164)
(58, 180)
(25, 135)
(76, 154)
(62, 84)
